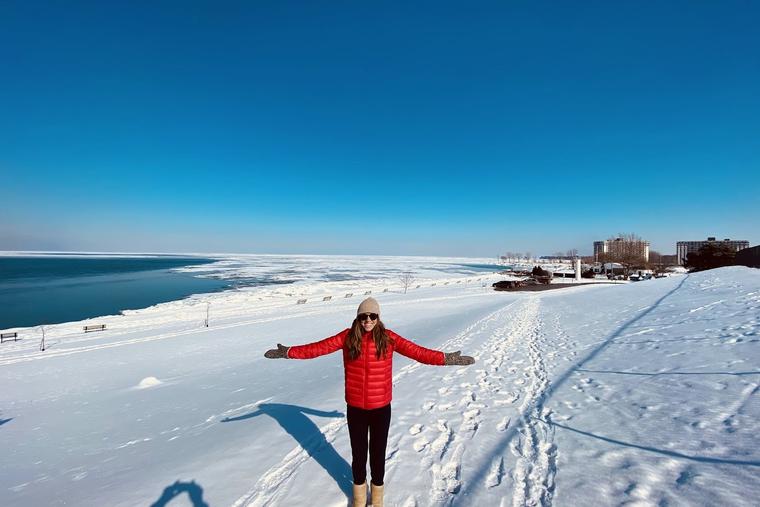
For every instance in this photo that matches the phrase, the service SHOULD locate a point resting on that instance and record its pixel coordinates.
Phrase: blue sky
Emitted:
(377, 128)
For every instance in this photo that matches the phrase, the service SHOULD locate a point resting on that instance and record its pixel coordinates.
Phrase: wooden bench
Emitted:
(327, 298)
(301, 302)
(8, 336)
(349, 295)
(95, 327)
(368, 293)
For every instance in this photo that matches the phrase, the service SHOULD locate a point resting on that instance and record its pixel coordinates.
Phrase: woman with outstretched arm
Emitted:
(368, 349)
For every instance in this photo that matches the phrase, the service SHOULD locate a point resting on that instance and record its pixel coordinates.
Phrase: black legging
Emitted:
(376, 421)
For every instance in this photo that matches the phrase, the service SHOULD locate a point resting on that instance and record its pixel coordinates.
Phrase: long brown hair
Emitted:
(354, 339)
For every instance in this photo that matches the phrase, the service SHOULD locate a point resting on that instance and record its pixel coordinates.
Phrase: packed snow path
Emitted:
(644, 394)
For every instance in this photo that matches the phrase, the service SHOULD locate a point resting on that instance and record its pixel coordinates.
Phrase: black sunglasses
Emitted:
(365, 316)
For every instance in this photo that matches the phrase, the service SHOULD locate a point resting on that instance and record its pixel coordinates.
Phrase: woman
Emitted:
(368, 364)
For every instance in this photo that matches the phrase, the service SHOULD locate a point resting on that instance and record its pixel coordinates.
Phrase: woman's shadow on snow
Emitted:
(293, 420)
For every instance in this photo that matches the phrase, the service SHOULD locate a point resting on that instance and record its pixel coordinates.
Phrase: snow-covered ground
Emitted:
(641, 394)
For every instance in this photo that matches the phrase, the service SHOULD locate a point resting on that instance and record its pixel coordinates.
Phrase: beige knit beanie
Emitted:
(369, 305)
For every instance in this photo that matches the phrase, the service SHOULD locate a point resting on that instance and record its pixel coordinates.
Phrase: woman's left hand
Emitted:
(281, 352)
(456, 359)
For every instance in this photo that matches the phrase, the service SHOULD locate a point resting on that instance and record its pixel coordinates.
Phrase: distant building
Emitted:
(684, 248)
(621, 247)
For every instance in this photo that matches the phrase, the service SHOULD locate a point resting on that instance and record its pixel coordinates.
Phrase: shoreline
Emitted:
(221, 288)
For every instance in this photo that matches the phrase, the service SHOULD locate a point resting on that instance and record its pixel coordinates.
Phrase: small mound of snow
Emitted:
(148, 382)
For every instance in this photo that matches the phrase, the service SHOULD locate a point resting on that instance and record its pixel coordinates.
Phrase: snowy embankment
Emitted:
(596, 395)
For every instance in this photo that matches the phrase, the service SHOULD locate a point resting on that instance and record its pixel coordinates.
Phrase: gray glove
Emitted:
(281, 352)
(456, 359)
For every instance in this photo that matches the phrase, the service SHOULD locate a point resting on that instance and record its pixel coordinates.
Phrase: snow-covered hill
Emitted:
(644, 393)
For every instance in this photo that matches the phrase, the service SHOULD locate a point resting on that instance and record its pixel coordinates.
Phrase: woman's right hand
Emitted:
(281, 352)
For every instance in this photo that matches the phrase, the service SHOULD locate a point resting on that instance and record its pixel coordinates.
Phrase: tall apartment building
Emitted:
(684, 248)
(622, 247)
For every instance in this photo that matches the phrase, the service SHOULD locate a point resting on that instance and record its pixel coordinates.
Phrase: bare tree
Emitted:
(572, 253)
(406, 280)
(655, 261)
(628, 250)
(528, 256)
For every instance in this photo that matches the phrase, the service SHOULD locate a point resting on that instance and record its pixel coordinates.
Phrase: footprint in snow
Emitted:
(471, 420)
(420, 444)
(409, 502)
(496, 473)
(511, 398)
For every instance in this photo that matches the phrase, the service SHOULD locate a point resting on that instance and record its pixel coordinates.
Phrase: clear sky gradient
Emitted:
(444, 128)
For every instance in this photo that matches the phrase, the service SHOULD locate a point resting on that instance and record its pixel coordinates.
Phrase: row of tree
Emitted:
(569, 254)
(711, 255)
(512, 256)
(527, 256)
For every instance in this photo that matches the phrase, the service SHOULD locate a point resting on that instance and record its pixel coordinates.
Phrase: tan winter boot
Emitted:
(377, 495)
(360, 495)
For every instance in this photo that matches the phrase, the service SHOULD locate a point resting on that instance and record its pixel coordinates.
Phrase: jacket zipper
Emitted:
(366, 376)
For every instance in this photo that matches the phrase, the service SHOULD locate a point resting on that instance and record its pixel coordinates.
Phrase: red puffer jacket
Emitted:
(368, 379)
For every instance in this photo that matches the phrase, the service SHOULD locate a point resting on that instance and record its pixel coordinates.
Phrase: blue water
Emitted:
(49, 290)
